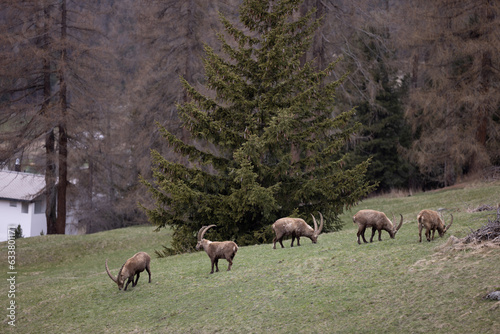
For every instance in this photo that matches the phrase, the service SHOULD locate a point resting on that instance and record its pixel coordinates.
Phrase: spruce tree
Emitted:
(378, 92)
(268, 131)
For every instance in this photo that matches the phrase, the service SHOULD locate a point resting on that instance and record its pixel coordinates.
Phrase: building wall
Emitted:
(38, 219)
(32, 223)
(11, 216)
(29, 213)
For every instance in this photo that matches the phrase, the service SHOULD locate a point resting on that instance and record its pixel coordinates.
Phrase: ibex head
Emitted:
(201, 233)
(120, 279)
(446, 227)
(317, 230)
(396, 228)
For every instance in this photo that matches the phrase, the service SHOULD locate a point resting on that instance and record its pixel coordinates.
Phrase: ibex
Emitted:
(296, 227)
(217, 249)
(431, 221)
(378, 221)
(132, 267)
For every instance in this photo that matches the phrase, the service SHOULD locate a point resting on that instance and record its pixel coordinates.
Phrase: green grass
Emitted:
(335, 286)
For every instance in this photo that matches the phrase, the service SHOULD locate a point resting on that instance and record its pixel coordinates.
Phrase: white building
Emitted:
(22, 202)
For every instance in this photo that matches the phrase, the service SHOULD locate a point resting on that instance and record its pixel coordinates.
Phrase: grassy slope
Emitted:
(393, 286)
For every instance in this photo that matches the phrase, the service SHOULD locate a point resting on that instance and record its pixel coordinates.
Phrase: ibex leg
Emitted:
(149, 273)
(361, 232)
(428, 234)
(373, 234)
(136, 279)
(131, 279)
(280, 240)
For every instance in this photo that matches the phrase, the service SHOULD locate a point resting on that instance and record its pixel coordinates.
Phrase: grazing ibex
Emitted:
(217, 249)
(431, 221)
(296, 227)
(378, 221)
(134, 266)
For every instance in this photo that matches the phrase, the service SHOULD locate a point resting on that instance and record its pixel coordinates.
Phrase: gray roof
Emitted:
(20, 186)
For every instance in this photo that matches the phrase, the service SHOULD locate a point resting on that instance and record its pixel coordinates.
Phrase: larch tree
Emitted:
(52, 69)
(26, 86)
(453, 50)
(168, 43)
(266, 120)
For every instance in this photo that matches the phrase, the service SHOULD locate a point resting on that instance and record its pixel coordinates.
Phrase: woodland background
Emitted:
(82, 84)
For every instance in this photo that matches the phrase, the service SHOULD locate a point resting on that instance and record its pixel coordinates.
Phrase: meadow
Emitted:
(335, 286)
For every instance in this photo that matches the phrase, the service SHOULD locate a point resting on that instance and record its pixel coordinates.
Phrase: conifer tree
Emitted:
(264, 135)
(378, 92)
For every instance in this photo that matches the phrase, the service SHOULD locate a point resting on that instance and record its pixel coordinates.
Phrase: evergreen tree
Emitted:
(18, 232)
(265, 136)
(379, 92)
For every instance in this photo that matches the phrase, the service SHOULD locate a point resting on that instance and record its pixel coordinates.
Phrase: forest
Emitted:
(102, 98)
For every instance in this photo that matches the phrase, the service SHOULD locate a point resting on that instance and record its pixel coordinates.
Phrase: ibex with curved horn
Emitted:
(378, 221)
(296, 227)
(431, 221)
(216, 249)
(132, 267)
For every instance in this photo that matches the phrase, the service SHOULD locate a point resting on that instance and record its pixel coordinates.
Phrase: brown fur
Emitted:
(431, 221)
(378, 221)
(217, 249)
(132, 267)
(295, 227)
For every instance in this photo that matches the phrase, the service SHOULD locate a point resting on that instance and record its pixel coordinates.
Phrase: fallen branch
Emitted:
(489, 232)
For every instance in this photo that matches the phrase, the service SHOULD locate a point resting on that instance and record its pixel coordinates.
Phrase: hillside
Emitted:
(335, 286)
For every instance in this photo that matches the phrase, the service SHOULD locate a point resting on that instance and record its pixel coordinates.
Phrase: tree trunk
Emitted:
(63, 180)
(484, 111)
(486, 65)
(50, 183)
(50, 165)
(414, 71)
(318, 47)
(63, 136)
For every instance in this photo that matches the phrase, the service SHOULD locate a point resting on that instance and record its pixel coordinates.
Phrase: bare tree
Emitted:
(452, 50)
(52, 70)
(169, 37)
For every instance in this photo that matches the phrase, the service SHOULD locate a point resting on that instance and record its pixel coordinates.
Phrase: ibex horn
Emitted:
(203, 230)
(109, 273)
(320, 223)
(451, 222)
(316, 224)
(400, 223)
(199, 232)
